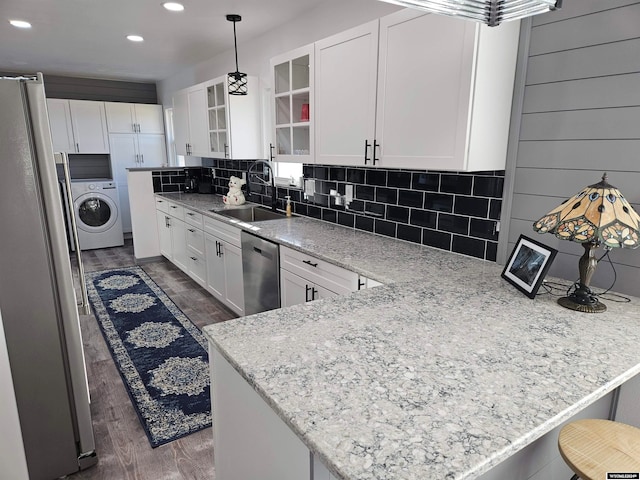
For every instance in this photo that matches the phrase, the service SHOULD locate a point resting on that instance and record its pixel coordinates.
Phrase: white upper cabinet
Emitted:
(234, 128)
(345, 89)
(294, 105)
(190, 121)
(134, 118)
(416, 90)
(78, 126)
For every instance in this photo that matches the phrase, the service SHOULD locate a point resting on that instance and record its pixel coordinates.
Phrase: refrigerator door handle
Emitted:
(83, 307)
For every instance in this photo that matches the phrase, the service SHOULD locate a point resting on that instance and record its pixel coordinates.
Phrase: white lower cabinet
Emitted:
(304, 278)
(245, 427)
(224, 264)
(171, 233)
(295, 290)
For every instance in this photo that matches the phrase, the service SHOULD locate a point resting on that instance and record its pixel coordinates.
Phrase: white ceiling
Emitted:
(86, 38)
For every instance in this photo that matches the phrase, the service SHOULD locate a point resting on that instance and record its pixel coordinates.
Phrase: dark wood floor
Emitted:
(121, 444)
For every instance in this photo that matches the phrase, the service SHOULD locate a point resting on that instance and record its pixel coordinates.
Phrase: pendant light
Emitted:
(237, 81)
(490, 12)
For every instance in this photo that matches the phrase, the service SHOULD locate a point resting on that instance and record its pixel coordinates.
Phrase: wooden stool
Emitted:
(592, 448)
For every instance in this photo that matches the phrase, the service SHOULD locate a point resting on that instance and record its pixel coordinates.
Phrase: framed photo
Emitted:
(528, 265)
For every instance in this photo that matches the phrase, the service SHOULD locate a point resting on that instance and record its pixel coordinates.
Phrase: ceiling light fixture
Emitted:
(135, 38)
(173, 6)
(491, 12)
(20, 23)
(237, 81)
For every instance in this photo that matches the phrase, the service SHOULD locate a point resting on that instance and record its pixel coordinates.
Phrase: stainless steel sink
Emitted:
(251, 214)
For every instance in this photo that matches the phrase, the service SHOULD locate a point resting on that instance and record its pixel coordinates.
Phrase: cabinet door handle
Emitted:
(167, 223)
(220, 247)
(77, 147)
(361, 284)
(366, 150)
(308, 262)
(193, 231)
(133, 125)
(226, 151)
(306, 294)
(141, 158)
(375, 145)
(313, 293)
(271, 148)
(138, 127)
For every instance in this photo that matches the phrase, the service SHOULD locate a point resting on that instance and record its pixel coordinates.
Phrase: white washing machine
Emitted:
(97, 212)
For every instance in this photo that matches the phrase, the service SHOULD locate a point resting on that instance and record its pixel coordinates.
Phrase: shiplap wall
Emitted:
(76, 88)
(580, 118)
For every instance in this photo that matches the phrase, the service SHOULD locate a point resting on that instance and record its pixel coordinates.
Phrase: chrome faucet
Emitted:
(272, 184)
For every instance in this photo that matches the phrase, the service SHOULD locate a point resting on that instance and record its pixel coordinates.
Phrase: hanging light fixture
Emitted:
(491, 12)
(237, 81)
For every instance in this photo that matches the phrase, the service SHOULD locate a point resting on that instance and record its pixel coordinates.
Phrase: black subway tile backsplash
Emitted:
(409, 233)
(365, 192)
(399, 179)
(453, 223)
(355, 175)
(495, 207)
(483, 229)
(468, 246)
(425, 181)
(364, 223)
(437, 239)
(346, 219)
(423, 218)
(471, 206)
(398, 214)
(384, 227)
(386, 195)
(460, 184)
(438, 201)
(410, 198)
(376, 177)
(488, 187)
(446, 210)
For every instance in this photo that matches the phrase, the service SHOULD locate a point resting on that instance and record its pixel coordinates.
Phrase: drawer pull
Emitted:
(194, 259)
(190, 214)
(191, 230)
(173, 206)
(309, 262)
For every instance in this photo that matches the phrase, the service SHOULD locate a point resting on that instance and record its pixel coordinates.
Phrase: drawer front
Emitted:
(222, 230)
(320, 272)
(195, 239)
(176, 210)
(197, 267)
(193, 218)
(162, 205)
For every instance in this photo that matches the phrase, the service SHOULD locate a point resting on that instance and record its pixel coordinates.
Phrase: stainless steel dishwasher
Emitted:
(261, 272)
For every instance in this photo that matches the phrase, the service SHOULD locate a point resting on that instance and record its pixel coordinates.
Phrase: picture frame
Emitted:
(528, 265)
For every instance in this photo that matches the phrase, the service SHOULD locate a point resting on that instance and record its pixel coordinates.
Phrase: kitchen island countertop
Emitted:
(442, 373)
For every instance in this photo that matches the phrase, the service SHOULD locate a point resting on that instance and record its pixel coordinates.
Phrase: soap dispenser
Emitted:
(288, 209)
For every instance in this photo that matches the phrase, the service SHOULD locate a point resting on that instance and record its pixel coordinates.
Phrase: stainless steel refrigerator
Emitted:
(38, 304)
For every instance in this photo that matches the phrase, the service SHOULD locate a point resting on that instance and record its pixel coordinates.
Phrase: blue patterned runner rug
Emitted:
(162, 356)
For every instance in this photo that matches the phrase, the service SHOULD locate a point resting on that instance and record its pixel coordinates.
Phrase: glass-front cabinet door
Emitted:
(293, 105)
(217, 119)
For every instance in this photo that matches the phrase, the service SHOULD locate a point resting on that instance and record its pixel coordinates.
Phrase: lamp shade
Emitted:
(598, 214)
(490, 12)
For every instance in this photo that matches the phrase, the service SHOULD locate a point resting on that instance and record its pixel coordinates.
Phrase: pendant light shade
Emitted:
(237, 81)
(490, 12)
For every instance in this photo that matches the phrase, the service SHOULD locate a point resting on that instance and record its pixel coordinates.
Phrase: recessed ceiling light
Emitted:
(135, 38)
(20, 23)
(173, 6)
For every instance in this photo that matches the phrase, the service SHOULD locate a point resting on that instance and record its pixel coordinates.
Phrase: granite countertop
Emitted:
(414, 380)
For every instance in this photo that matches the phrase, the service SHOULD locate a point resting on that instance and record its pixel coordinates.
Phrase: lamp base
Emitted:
(573, 302)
